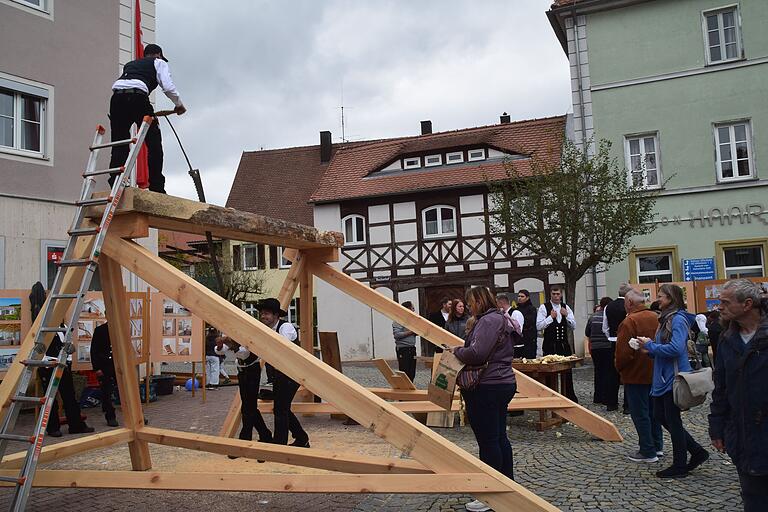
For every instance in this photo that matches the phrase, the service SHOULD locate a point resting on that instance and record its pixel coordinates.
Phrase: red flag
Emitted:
(142, 168)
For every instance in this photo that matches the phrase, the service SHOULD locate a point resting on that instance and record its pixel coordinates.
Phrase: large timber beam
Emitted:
(471, 483)
(64, 449)
(414, 407)
(584, 418)
(186, 216)
(380, 417)
(306, 457)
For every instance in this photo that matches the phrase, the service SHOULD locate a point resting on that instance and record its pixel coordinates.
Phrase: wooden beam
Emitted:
(123, 354)
(584, 418)
(130, 226)
(380, 417)
(64, 449)
(291, 283)
(396, 379)
(232, 419)
(306, 457)
(307, 311)
(187, 216)
(472, 483)
(70, 284)
(420, 406)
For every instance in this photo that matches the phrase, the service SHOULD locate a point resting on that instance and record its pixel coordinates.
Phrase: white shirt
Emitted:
(516, 315)
(287, 330)
(606, 330)
(445, 315)
(163, 79)
(543, 319)
(241, 353)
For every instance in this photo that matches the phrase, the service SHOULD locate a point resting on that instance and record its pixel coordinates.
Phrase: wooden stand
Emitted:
(436, 465)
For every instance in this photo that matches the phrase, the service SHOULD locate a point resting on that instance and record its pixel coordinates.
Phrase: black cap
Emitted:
(152, 49)
(272, 305)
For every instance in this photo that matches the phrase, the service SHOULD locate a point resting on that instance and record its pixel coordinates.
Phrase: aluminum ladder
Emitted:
(49, 326)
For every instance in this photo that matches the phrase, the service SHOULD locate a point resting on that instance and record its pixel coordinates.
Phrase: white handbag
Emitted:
(690, 389)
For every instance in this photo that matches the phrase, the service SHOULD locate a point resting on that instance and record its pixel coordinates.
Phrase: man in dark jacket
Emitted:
(606, 380)
(439, 318)
(130, 103)
(101, 360)
(738, 421)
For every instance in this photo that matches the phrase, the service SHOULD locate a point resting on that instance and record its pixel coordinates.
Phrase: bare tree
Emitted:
(575, 212)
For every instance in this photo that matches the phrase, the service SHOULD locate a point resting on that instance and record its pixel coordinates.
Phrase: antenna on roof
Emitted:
(343, 119)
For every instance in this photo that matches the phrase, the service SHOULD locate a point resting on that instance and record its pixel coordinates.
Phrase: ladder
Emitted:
(49, 326)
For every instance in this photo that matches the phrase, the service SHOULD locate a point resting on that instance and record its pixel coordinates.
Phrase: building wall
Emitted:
(49, 50)
(648, 74)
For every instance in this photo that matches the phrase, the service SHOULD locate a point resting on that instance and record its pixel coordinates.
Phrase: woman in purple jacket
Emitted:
(487, 404)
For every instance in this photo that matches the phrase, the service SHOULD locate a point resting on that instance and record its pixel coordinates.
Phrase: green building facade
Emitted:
(680, 88)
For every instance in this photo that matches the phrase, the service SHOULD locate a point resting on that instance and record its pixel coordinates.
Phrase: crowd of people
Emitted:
(639, 346)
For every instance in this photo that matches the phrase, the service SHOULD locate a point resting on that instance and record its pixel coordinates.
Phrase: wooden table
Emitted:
(551, 375)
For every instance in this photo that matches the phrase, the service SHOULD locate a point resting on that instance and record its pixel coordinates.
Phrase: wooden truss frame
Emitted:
(435, 465)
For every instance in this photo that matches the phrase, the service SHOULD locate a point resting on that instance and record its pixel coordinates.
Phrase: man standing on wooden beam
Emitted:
(284, 389)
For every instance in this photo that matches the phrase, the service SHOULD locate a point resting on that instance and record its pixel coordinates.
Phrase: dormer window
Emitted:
(476, 154)
(412, 163)
(432, 160)
(455, 157)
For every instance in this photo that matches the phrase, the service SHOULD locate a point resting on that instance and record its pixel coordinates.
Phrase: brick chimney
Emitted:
(325, 147)
(426, 127)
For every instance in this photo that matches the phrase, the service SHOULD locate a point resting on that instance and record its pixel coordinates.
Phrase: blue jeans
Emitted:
(650, 438)
(487, 411)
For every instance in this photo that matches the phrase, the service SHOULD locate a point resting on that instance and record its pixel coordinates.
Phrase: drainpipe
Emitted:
(584, 138)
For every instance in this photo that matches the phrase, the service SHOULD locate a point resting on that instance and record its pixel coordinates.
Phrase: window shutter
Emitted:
(237, 261)
(262, 264)
(273, 263)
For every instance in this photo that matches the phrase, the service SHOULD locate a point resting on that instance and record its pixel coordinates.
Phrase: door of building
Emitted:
(434, 294)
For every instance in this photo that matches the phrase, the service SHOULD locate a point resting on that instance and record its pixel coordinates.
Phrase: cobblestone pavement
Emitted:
(565, 466)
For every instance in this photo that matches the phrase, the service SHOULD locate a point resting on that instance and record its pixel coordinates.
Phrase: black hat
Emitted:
(152, 49)
(272, 305)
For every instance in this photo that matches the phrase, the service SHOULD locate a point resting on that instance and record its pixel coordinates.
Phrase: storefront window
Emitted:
(653, 268)
(743, 262)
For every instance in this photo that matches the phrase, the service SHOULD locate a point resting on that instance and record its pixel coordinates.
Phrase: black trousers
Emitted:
(125, 110)
(406, 361)
(754, 491)
(668, 415)
(529, 350)
(606, 376)
(67, 394)
(249, 380)
(284, 390)
(107, 386)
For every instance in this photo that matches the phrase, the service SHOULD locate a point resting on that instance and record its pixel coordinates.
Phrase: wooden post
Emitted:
(306, 323)
(123, 354)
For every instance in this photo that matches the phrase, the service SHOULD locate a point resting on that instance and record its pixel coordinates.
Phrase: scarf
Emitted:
(665, 323)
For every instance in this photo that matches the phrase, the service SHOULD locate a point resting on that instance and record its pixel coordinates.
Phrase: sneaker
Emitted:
(660, 453)
(672, 472)
(227, 381)
(697, 460)
(477, 506)
(639, 457)
(210, 387)
(112, 422)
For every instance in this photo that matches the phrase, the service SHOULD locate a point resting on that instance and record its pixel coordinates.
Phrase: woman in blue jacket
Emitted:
(669, 347)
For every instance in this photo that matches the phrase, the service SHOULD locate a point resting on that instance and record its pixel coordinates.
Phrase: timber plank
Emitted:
(473, 483)
(64, 449)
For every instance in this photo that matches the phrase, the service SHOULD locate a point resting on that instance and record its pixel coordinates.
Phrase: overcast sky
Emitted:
(270, 74)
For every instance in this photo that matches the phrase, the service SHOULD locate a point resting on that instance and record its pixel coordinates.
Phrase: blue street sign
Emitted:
(699, 269)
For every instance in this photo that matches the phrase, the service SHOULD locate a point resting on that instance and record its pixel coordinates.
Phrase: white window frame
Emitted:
(292, 311)
(750, 153)
(281, 262)
(721, 34)
(413, 162)
(640, 137)
(249, 307)
(44, 246)
(460, 160)
(45, 9)
(471, 158)
(354, 217)
(19, 87)
(760, 267)
(654, 273)
(243, 249)
(427, 163)
(440, 233)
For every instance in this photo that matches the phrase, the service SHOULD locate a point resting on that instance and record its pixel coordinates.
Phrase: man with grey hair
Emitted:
(613, 314)
(738, 419)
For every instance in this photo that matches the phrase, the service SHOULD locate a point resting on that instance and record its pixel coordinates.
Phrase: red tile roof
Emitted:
(277, 183)
(347, 176)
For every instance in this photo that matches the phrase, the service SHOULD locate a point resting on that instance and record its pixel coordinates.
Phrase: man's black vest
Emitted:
(141, 69)
(271, 370)
(556, 334)
(614, 315)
